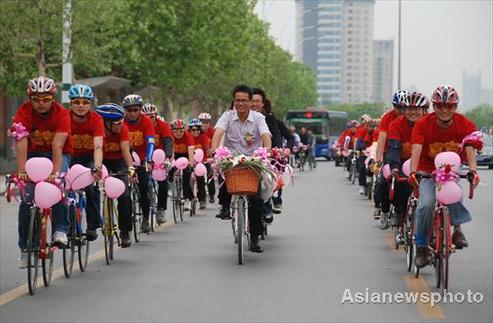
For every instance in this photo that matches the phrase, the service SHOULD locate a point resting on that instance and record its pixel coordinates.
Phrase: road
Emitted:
(324, 245)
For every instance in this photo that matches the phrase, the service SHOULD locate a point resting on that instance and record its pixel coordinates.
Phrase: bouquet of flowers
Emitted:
(259, 162)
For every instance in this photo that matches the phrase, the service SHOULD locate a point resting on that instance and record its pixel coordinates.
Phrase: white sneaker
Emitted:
(361, 190)
(22, 260)
(60, 238)
(161, 218)
(188, 205)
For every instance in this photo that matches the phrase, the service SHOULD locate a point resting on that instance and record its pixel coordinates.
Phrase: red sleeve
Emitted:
(189, 139)
(23, 116)
(166, 130)
(419, 131)
(394, 132)
(98, 128)
(64, 124)
(206, 142)
(124, 133)
(148, 128)
(384, 124)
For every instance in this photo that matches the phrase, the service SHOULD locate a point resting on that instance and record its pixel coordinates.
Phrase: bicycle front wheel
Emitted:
(241, 229)
(69, 250)
(137, 215)
(82, 242)
(445, 250)
(108, 230)
(180, 197)
(33, 250)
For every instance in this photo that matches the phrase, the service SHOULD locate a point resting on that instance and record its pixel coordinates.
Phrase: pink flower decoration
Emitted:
(17, 131)
(223, 152)
(261, 153)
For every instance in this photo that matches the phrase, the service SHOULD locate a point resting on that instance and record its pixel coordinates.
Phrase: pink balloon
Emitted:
(114, 187)
(80, 177)
(198, 155)
(386, 171)
(158, 174)
(181, 163)
(345, 153)
(406, 167)
(136, 158)
(367, 161)
(449, 193)
(158, 156)
(46, 195)
(448, 157)
(200, 170)
(38, 168)
(105, 171)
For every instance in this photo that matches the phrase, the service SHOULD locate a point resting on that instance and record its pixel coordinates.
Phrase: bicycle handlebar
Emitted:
(469, 176)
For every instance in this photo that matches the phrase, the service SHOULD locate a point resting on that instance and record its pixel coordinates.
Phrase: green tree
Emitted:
(482, 115)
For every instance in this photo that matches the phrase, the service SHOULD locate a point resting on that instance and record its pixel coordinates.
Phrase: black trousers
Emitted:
(124, 201)
(360, 164)
(143, 184)
(162, 194)
(201, 194)
(187, 189)
(381, 196)
(93, 200)
(402, 191)
(254, 209)
(211, 186)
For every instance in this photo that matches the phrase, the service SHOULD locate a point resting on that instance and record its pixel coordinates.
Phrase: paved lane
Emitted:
(324, 243)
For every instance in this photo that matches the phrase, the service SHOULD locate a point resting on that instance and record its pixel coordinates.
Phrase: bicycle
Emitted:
(137, 214)
(177, 195)
(77, 237)
(408, 229)
(302, 158)
(398, 231)
(153, 198)
(239, 223)
(110, 226)
(440, 237)
(38, 246)
(352, 168)
(195, 201)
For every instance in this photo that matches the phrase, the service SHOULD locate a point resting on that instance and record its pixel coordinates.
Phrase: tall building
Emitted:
(335, 38)
(383, 63)
(471, 91)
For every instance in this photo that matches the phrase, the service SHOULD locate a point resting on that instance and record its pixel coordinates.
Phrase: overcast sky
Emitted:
(440, 38)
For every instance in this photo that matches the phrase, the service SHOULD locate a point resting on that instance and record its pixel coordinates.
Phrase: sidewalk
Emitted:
(2, 185)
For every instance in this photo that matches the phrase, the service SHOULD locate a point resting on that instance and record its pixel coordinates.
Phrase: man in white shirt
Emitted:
(244, 131)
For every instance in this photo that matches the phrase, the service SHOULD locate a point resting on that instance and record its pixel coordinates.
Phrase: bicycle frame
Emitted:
(239, 223)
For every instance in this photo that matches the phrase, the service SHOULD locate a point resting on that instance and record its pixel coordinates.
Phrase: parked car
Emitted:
(485, 156)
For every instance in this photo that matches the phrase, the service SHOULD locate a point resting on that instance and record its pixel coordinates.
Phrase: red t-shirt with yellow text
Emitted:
(112, 143)
(137, 134)
(180, 146)
(435, 140)
(83, 133)
(383, 127)
(162, 130)
(203, 142)
(400, 130)
(42, 130)
(209, 132)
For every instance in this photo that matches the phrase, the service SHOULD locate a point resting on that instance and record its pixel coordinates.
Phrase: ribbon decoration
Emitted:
(475, 139)
(223, 152)
(158, 166)
(261, 153)
(445, 174)
(17, 131)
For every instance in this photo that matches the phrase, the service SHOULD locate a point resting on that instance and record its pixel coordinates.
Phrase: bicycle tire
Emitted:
(82, 242)
(137, 216)
(69, 250)
(353, 173)
(174, 199)
(47, 265)
(33, 250)
(369, 191)
(240, 231)
(153, 204)
(180, 198)
(445, 250)
(107, 230)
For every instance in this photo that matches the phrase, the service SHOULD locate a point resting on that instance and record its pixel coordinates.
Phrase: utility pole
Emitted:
(399, 52)
(67, 72)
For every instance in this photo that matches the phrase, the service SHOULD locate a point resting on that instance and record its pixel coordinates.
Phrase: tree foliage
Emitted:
(355, 111)
(194, 51)
(482, 116)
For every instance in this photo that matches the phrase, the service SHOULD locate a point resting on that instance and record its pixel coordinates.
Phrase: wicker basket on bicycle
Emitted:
(241, 181)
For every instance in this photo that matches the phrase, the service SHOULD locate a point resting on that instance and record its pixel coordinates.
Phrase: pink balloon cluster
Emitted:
(447, 164)
(79, 177)
(158, 169)
(45, 194)
(386, 171)
(200, 170)
(114, 187)
(198, 155)
(181, 163)
(406, 167)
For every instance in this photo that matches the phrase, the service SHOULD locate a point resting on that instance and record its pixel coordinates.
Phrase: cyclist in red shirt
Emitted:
(87, 136)
(399, 142)
(348, 143)
(361, 142)
(46, 125)
(183, 146)
(141, 135)
(201, 142)
(442, 130)
(117, 159)
(381, 185)
(207, 128)
(162, 140)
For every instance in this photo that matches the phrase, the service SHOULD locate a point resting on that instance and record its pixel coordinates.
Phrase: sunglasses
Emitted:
(81, 102)
(195, 129)
(445, 106)
(43, 99)
(117, 123)
(133, 110)
(178, 130)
